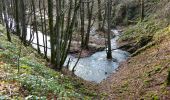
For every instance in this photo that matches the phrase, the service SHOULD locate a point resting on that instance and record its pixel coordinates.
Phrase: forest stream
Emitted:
(94, 68)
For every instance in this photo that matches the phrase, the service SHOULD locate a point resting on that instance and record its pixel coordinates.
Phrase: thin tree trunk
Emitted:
(99, 15)
(42, 27)
(50, 17)
(6, 20)
(45, 30)
(35, 26)
(58, 33)
(142, 10)
(17, 19)
(23, 22)
(90, 13)
(109, 51)
(82, 23)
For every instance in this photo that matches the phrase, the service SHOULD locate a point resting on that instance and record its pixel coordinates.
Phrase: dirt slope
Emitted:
(144, 75)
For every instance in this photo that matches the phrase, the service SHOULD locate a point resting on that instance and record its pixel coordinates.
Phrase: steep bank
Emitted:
(145, 74)
(35, 80)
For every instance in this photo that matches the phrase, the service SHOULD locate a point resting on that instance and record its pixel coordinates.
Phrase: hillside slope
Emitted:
(33, 79)
(145, 74)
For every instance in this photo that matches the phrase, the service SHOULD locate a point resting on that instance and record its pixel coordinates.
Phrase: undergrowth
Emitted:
(34, 80)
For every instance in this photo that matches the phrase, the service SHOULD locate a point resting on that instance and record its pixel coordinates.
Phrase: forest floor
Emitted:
(144, 75)
(33, 79)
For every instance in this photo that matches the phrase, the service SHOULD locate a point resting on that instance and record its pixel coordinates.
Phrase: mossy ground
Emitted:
(33, 79)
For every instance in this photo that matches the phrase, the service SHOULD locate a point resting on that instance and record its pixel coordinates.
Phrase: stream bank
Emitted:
(35, 80)
(95, 67)
(144, 75)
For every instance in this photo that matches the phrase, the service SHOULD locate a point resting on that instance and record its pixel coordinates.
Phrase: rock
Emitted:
(114, 60)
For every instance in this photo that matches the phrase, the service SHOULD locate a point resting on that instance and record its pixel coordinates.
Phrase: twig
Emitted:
(73, 70)
(19, 55)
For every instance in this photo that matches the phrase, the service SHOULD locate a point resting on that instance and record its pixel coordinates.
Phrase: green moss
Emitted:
(141, 31)
(151, 95)
(155, 97)
(158, 68)
(162, 34)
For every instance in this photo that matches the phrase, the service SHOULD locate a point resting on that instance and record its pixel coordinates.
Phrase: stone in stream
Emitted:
(114, 60)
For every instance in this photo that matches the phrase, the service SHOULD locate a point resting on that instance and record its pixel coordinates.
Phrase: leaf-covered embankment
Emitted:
(146, 74)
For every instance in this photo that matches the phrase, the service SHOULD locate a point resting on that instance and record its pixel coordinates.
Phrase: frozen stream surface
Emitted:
(94, 68)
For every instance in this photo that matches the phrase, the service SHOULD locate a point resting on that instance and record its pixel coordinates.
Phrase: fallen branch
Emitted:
(143, 48)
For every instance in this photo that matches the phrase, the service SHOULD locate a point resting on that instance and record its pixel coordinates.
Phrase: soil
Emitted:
(141, 77)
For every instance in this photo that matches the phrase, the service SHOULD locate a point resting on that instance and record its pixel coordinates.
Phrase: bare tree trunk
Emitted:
(35, 26)
(50, 17)
(90, 13)
(43, 25)
(69, 30)
(104, 19)
(1, 17)
(99, 15)
(45, 30)
(58, 33)
(109, 51)
(6, 19)
(142, 10)
(17, 18)
(82, 22)
(23, 22)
